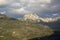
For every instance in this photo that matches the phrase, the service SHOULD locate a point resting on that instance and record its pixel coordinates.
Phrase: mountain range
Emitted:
(23, 28)
(54, 23)
(13, 29)
(35, 17)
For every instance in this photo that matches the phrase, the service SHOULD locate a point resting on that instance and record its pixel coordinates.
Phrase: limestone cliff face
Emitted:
(35, 17)
(31, 17)
(50, 19)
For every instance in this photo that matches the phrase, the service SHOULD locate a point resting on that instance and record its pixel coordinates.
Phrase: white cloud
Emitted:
(44, 1)
(32, 1)
(24, 1)
(20, 11)
(15, 4)
(36, 1)
(3, 2)
(42, 5)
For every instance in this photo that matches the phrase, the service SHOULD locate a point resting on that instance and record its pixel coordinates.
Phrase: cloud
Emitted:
(3, 2)
(15, 4)
(42, 7)
(20, 11)
(3, 12)
(35, 1)
(44, 1)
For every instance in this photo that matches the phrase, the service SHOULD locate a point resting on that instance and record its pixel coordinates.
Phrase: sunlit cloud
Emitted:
(16, 5)
(3, 2)
(20, 11)
(42, 5)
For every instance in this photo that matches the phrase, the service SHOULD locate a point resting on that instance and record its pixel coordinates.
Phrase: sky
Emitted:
(18, 8)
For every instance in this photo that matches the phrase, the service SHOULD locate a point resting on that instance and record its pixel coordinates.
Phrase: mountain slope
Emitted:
(55, 25)
(5, 17)
(22, 30)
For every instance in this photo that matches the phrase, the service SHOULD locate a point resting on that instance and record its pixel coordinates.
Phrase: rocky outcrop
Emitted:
(2, 16)
(49, 19)
(33, 17)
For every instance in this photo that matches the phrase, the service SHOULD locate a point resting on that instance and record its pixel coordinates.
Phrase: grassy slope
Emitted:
(22, 30)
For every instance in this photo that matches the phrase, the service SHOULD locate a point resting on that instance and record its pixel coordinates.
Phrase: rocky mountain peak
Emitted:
(35, 17)
(31, 17)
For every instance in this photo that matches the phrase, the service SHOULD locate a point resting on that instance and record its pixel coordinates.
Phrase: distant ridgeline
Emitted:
(22, 30)
(3, 16)
(11, 29)
(35, 17)
(31, 17)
